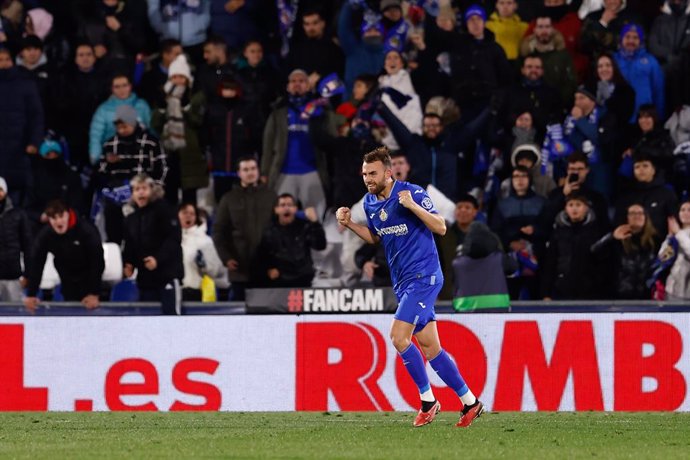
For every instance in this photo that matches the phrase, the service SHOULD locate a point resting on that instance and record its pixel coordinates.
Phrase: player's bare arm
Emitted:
(344, 218)
(434, 222)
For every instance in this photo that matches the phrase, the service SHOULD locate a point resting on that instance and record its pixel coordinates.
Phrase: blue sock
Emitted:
(414, 363)
(449, 373)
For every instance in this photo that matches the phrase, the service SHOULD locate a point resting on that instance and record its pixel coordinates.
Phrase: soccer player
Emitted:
(402, 216)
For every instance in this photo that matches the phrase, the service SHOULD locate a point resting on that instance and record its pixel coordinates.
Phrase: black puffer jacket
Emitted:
(15, 238)
(154, 231)
(78, 259)
(570, 270)
(288, 248)
(632, 270)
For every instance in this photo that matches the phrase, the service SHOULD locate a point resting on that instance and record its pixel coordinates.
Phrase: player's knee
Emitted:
(400, 342)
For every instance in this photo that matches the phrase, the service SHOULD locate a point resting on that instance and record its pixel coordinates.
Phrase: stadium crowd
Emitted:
(212, 141)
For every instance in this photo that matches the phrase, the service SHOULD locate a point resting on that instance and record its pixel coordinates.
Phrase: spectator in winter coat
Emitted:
(133, 150)
(632, 247)
(199, 256)
(15, 240)
(151, 85)
(364, 52)
(179, 123)
(284, 254)
(529, 156)
(80, 88)
(613, 91)
(235, 21)
(115, 28)
(570, 270)
(640, 69)
(652, 141)
(33, 61)
(241, 218)
(78, 252)
(21, 118)
(601, 28)
(507, 27)
(558, 68)
(371, 259)
(215, 69)
(678, 280)
(649, 190)
(670, 34)
(54, 179)
(183, 20)
(102, 124)
(153, 246)
(315, 52)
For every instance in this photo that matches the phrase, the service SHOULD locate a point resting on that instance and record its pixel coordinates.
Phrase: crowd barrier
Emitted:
(603, 361)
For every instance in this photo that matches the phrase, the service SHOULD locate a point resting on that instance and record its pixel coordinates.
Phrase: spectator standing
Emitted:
(76, 246)
(290, 160)
(241, 218)
(102, 124)
(652, 141)
(640, 69)
(529, 156)
(15, 240)
(184, 20)
(153, 246)
(133, 150)
(199, 256)
(34, 62)
(178, 123)
(549, 44)
(80, 88)
(151, 85)
(570, 270)
(613, 91)
(284, 253)
(633, 247)
(678, 280)
(234, 21)
(21, 118)
(601, 28)
(507, 27)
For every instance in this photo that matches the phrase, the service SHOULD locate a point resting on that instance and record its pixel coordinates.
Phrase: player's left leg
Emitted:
(445, 367)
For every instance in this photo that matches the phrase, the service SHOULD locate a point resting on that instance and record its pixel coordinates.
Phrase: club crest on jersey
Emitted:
(427, 204)
(383, 215)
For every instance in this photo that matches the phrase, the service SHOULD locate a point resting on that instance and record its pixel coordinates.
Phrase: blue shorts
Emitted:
(416, 301)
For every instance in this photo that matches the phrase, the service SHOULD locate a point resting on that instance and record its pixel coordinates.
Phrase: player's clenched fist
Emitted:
(343, 216)
(405, 199)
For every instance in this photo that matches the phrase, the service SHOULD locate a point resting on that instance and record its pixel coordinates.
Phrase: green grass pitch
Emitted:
(343, 435)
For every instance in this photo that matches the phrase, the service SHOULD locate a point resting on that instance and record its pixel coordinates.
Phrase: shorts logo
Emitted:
(383, 215)
(427, 204)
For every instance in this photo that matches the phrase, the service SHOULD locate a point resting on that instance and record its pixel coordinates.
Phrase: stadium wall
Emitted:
(547, 362)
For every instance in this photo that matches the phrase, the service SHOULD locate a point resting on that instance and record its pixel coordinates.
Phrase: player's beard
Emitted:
(378, 188)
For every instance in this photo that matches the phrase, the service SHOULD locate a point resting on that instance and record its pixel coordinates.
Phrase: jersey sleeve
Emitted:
(422, 198)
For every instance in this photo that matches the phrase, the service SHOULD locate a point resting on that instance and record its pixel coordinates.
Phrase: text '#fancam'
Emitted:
(342, 300)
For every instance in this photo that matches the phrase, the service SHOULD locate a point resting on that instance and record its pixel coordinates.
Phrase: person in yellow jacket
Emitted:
(507, 27)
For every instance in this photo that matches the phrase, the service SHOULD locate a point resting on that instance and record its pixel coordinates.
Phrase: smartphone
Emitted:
(572, 178)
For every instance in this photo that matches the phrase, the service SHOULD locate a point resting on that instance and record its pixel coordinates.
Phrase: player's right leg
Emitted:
(446, 368)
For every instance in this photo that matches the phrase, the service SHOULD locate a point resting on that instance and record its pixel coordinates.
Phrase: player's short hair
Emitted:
(286, 195)
(55, 208)
(120, 75)
(379, 154)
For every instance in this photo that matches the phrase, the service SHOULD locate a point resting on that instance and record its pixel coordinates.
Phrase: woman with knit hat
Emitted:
(178, 124)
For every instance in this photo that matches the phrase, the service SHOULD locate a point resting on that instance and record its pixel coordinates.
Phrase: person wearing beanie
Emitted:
(179, 123)
(102, 124)
(570, 270)
(478, 65)
(76, 245)
(507, 27)
(641, 69)
(15, 240)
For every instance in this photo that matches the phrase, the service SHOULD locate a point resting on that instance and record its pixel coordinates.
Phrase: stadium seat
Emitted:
(113, 263)
(124, 291)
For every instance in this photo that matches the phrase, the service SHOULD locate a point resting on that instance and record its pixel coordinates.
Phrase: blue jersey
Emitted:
(409, 244)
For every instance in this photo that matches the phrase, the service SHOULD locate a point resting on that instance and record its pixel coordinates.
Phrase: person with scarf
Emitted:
(76, 245)
(613, 91)
(179, 123)
(641, 69)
